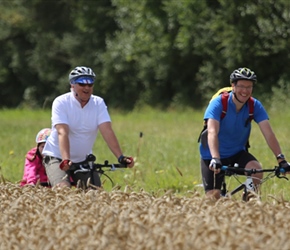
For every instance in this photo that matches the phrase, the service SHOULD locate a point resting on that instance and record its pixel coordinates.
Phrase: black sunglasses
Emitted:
(83, 85)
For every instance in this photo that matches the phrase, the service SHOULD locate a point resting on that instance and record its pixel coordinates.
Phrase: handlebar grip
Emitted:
(120, 165)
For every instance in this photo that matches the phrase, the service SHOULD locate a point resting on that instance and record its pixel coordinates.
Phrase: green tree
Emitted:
(163, 53)
(152, 55)
(43, 40)
(248, 33)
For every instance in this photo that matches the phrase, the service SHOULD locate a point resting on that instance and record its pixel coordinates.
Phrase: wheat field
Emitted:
(45, 218)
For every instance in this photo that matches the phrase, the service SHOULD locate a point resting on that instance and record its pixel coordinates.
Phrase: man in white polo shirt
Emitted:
(77, 117)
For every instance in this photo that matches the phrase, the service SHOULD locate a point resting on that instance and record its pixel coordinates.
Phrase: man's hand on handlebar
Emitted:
(65, 164)
(215, 165)
(284, 164)
(126, 160)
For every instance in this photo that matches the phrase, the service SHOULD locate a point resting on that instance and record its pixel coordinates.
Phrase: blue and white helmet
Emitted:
(82, 75)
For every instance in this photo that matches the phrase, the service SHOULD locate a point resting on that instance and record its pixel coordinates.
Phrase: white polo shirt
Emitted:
(83, 125)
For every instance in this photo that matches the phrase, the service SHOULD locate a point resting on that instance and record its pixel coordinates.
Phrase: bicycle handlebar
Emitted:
(277, 170)
(90, 159)
(111, 165)
(89, 164)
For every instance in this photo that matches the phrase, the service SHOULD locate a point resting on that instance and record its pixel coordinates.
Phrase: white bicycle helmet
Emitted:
(42, 135)
(82, 74)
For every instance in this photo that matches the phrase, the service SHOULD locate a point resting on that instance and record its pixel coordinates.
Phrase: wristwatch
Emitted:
(280, 157)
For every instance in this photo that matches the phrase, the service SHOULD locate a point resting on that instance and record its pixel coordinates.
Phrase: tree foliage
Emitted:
(163, 53)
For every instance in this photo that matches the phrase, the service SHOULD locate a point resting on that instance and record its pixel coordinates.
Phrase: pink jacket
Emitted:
(33, 169)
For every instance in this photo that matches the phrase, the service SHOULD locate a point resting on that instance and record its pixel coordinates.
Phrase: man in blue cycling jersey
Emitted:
(227, 137)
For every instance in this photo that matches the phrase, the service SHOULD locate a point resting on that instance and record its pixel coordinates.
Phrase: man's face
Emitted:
(243, 89)
(82, 91)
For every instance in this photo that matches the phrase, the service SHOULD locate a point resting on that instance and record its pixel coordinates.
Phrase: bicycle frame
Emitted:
(248, 186)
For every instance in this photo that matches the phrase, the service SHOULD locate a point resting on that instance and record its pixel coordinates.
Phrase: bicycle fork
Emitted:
(247, 186)
(92, 179)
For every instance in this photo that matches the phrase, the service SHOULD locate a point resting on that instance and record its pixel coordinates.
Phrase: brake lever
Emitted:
(278, 172)
(284, 177)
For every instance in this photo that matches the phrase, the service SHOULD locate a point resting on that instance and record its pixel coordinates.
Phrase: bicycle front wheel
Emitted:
(107, 182)
(86, 180)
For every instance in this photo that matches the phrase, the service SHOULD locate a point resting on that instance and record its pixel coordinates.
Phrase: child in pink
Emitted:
(34, 170)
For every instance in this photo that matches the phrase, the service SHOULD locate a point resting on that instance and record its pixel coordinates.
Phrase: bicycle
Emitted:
(87, 174)
(247, 186)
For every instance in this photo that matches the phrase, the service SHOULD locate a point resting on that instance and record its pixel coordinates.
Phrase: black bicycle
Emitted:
(88, 174)
(247, 186)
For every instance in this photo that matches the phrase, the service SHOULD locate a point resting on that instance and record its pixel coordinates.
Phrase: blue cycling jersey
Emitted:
(233, 133)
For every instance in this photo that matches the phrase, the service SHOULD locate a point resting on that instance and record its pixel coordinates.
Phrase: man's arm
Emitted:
(213, 127)
(270, 137)
(112, 141)
(64, 147)
(110, 138)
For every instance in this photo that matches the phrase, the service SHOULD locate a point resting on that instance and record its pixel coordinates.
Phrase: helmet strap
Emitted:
(237, 98)
(235, 83)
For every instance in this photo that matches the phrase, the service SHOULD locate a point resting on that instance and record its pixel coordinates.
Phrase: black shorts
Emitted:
(242, 158)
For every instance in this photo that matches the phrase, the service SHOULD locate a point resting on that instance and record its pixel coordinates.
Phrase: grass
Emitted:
(166, 156)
